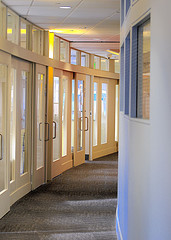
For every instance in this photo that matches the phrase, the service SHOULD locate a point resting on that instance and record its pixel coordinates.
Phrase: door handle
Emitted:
(1, 157)
(39, 131)
(47, 139)
(55, 129)
(87, 124)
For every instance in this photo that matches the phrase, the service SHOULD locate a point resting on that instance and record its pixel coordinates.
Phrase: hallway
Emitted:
(80, 204)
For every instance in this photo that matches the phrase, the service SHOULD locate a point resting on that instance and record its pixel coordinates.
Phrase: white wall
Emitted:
(144, 194)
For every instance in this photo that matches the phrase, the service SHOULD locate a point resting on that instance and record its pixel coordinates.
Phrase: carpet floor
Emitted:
(80, 204)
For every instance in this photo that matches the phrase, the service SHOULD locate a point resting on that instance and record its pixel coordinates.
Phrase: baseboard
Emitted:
(103, 152)
(118, 229)
(19, 193)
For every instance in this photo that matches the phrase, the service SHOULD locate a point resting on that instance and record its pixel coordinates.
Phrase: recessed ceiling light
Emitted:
(65, 7)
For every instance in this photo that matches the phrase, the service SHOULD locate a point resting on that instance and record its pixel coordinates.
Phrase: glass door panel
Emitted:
(72, 115)
(13, 124)
(56, 119)
(104, 112)
(80, 118)
(23, 105)
(40, 120)
(95, 115)
(64, 116)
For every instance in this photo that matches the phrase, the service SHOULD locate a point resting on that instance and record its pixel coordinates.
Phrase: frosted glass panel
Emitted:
(80, 120)
(84, 59)
(3, 163)
(12, 27)
(64, 116)
(72, 116)
(40, 121)
(24, 78)
(24, 34)
(104, 64)
(73, 57)
(56, 119)
(64, 51)
(104, 113)
(96, 62)
(3, 16)
(13, 124)
(95, 114)
(37, 41)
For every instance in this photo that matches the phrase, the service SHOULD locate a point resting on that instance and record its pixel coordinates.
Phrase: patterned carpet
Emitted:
(80, 204)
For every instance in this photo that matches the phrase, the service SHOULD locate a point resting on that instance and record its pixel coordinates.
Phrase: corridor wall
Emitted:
(144, 193)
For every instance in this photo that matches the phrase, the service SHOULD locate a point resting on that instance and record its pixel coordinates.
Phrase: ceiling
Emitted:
(90, 25)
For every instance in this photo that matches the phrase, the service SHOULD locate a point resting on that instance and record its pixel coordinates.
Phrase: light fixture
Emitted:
(115, 53)
(65, 7)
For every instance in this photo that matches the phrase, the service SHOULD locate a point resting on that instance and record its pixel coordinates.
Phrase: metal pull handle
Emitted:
(24, 142)
(1, 157)
(87, 124)
(55, 129)
(47, 139)
(39, 131)
(80, 119)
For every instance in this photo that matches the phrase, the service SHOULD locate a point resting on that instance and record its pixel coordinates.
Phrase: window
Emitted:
(117, 66)
(75, 57)
(122, 11)
(127, 73)
(96, 62)
(122, 80)
(24, 34)
(37, 40)
(143, 79)
(84, 59)
(12, 27)
(56, 48)
(128, 4)
(64, 51)
(2, 20)
(104, 64)
(140, 73)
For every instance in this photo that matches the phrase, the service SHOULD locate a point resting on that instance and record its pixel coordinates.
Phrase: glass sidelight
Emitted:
(23, 163)
(3, 164)
(104, 113)
(64, 116)
(56, 119)
(80, 119)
